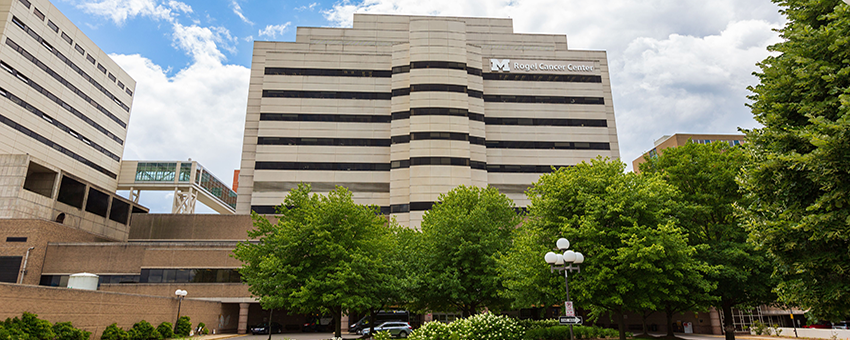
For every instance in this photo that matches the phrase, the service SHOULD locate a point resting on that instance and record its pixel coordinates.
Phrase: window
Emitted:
(67, 38)
(327, 72)
(120, 84)
(16, 239)
(316, 166)
(326, 94)
(80, 49)
(292, 117)
(90, 59)
(129, 92)
(26, 3)
(52, 26)
(111, 77)
(38, 14)
(101, 68)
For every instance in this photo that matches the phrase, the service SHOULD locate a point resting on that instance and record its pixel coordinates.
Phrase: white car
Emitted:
(396, 328)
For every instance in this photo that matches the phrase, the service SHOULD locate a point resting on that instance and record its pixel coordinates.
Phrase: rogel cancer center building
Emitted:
(400, 109)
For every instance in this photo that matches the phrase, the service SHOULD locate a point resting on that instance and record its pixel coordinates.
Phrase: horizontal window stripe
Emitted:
(491, 98)
(547, 145)
(436, 64)
(319, 166)
(546, 122)
(326, 95)
(567, 78)
(271, 186)
(510, 168)
(71, 87)
(475, 93)
(437, 88)
(322, 141)
(457, 136)
(272, 209)
(74, 67)
(412, 206)
(285, 71)
(511, 188)
(56, 123)
(38, 88)
(437, 111)
(401, 92)
(55, 146)
(298, 117)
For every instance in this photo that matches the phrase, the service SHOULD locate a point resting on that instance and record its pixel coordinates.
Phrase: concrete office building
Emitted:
(64, 111)
(401, 109)
(679, 139)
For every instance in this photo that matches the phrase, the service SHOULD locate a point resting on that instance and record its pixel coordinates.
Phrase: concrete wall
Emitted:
(95, 310)
(190, 227)
(38, 233)
(815, 333)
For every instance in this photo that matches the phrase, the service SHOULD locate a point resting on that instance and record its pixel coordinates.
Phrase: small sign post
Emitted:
(570, 320)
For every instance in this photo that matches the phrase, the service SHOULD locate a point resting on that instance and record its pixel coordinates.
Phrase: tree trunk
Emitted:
(729, 327)
(621, 319)
(669, 314)
(371, 323)
(337, 323)
(644, 315)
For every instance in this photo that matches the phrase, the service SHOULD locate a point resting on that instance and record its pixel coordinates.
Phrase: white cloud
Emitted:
(272, 31)
(203, 43)
(197, 113)
(675, 66)
(120, 10)
(238, 11)
(306, 7)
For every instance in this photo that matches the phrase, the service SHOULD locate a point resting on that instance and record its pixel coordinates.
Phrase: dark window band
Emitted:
(493, 98)
(475, 93)
(437, 88)
(326, 95)
(71, 87)
(56, 123)
(268, 186)
(272, 210)
(401, 92)
(55, 146)
(317, 166)
(546, 122)
(74, 67)
(412, 206)
(437, 111)
(437, 64)
(567, 78)
(437, 136)
(284, 71)
(189, 276)
(292, 117)
(322, 141)
(537, 169)
(415, 161)
(60, 102)
(547, 145)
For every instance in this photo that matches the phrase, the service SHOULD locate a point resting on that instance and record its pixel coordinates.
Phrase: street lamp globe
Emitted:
(579, 258)
(551, 257)
(559, 260)
(563, 244)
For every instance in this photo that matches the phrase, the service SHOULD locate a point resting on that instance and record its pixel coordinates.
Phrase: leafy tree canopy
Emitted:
(462, 237)
(796, 177)
(325, 254)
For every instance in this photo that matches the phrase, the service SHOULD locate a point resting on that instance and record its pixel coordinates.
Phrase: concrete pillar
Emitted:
(343, 321)
(242, 327)
(716, 327)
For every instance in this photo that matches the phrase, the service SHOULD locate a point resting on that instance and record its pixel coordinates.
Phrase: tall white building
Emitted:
(401, 109)
(64, 110)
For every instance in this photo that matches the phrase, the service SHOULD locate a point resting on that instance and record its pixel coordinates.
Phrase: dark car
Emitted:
(263, 328)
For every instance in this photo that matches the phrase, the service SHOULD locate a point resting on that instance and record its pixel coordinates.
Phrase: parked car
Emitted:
(263, 328)
(396, 328)
(821, 325)
(841, 325)
(380, 317)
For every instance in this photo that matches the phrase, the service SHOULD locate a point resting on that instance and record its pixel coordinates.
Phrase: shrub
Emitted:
(166, 330)
(66, 331)
(202, 328)
(143, 330)
(532, 324)
(8, 331)
(488, 326)
(36, 328)
(113, 332)
(382, 336)
(563, 333)
(434, 330)
(183, 326)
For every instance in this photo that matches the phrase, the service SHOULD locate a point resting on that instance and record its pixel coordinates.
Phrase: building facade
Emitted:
(679, 139)
(400, 109)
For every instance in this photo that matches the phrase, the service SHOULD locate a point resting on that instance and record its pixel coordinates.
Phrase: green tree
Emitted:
(183, 326)
(463, 236)
(705, 175)
(324, 254)
(796, 177)
(635, 257)
(166, 330)
(113, 332)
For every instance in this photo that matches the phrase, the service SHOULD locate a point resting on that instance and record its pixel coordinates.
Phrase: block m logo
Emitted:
(504, 65)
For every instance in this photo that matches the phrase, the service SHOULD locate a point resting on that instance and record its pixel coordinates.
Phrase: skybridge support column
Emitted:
(184, 201)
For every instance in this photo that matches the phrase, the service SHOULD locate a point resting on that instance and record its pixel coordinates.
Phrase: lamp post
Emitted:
(180, 295)
(566, 262)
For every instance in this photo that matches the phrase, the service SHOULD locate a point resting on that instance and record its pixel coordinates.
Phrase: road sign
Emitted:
(568, 307)
(570, 320)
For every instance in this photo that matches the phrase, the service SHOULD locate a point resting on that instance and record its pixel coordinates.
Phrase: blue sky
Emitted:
(675, 65)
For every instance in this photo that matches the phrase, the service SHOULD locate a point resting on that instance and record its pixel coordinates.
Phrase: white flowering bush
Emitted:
(434, 330)
(487, 326)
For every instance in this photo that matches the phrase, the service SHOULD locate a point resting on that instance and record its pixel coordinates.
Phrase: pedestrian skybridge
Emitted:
(188, 179)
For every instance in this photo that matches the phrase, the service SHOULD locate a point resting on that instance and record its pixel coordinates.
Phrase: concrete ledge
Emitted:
(815, 333)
